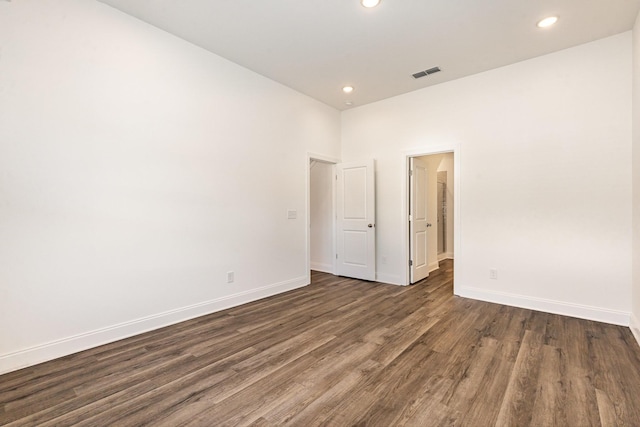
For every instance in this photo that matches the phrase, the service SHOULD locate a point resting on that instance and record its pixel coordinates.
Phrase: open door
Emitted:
(418, 224)
(356, 242)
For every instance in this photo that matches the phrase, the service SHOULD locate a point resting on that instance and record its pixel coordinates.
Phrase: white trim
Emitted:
(319, 266)
(429, 150)
(634, 324)
(334, 219)
(63, 347)
(322, 158)
(445, 255)
(404, 209)
(549, 306)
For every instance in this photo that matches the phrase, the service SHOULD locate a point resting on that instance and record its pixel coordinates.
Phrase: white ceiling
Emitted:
(319, 46)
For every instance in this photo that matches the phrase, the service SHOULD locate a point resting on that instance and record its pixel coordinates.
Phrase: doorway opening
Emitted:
(341, 217)
(431, 207)
(321, 248)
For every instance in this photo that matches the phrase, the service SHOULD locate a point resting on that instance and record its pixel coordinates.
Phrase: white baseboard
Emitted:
(63, 347)
(445, 255)
(550, 306)
(634, 324)
(325, 268)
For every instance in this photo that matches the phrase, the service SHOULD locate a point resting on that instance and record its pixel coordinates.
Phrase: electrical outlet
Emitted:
(292, 214)
(230, 276)
(493, 274)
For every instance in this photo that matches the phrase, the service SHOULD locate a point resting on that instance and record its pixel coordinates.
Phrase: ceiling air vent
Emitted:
(426, 72)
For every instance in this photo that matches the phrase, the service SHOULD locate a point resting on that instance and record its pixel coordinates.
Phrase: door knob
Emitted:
(428, 224)
(370, 225)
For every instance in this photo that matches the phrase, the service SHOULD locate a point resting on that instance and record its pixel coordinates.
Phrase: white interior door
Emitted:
(356, 242)
(418, 221)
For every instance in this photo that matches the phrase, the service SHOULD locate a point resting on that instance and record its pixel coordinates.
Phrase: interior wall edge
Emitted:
(66, 346)
(563, 308)
(634, 325)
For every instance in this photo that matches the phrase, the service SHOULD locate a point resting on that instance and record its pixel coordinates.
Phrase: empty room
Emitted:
(320, 212)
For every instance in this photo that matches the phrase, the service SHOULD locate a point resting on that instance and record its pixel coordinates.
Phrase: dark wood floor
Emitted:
(344, 352)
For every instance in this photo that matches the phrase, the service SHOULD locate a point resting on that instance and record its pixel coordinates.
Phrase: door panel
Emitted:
(418, 224)
(355, 198)
(355, 247)
(420, 256)
(356, 220)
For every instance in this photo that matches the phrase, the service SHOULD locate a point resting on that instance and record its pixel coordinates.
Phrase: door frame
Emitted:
(457, 229)
(333, 161)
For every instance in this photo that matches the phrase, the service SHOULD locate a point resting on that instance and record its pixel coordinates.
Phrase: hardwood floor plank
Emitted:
(100, 389)
(606, 409)
(323, 402)
(517, 405)
(485, 406)
(243, 405)
(580, 404)
(398, 339)
(214, 403)
(571, 335)
(424, 406)
(611, 374)
(466, 388)
(261, 422)
(395, 383)
(169, 393)
(551, 391)
(74, 414)
(106, 373)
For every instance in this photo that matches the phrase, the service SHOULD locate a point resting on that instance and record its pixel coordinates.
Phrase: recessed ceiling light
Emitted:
(369, 3)
(347, 89)
(546, 22)
(348, 103)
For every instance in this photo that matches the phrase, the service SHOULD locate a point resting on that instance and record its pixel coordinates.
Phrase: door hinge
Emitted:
(410, 172)
(336, 256)
(410, 262)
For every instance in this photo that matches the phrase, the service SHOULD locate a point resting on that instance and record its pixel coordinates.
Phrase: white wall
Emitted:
(635, 319)
(446, 165)
(136, 170)
(545, 194)
(321, 213)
